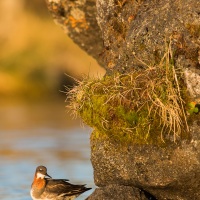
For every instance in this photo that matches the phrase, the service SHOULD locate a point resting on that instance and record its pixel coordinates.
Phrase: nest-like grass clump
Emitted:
(144, 107)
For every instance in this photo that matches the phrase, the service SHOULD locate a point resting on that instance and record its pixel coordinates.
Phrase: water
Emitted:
(54, 141)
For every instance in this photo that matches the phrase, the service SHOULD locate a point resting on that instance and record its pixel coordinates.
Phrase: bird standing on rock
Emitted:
(46, 188)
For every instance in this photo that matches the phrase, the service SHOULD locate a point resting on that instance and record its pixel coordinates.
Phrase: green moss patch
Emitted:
(143, 107)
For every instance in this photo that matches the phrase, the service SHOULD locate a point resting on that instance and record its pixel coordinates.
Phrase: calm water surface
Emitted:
(41, 134)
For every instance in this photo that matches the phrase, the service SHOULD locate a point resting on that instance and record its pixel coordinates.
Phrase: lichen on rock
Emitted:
(78, 20)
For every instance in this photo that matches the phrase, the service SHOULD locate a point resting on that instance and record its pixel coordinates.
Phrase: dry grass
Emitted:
(152, 95)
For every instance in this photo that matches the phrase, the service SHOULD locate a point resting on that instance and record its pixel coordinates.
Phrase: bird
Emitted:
(44, 187)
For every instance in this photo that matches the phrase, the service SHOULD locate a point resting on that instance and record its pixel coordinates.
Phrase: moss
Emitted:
(143, 107)
(192, 109)
(130, 117)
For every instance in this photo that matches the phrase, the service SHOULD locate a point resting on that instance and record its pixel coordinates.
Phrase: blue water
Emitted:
(64, 151)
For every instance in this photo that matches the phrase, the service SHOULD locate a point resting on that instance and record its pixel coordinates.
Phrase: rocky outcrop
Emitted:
(170, 172)
(78, 20)
(129, 38)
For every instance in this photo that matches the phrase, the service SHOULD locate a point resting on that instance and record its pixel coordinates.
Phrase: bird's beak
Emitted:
(47, 175)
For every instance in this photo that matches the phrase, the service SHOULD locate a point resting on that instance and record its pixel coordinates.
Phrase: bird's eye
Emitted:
(40, 169)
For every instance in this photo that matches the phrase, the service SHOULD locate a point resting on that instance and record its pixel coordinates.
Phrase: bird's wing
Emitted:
(61, 186)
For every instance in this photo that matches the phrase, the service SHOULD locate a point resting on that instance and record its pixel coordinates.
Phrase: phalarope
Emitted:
(46, 188)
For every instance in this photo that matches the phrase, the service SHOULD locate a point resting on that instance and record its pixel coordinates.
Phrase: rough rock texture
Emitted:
(192, 77)
(78, 19)
(140, 28)
(136, 33)
(113, 192)
(132, 34)
(171, 172)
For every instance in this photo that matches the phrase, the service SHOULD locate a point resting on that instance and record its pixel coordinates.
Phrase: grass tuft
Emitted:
(141, 106)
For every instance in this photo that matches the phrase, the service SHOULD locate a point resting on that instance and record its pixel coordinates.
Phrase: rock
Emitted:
(135, 32)
(118, 192)
(171, 172)
(78, 19)
(124, 36)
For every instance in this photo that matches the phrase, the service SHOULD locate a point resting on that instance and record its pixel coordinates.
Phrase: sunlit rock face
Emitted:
(192, 77)
(135, 31)
(78, 19)
(135, 35)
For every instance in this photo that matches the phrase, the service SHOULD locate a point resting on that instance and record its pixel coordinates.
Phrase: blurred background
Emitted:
(35, 127)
